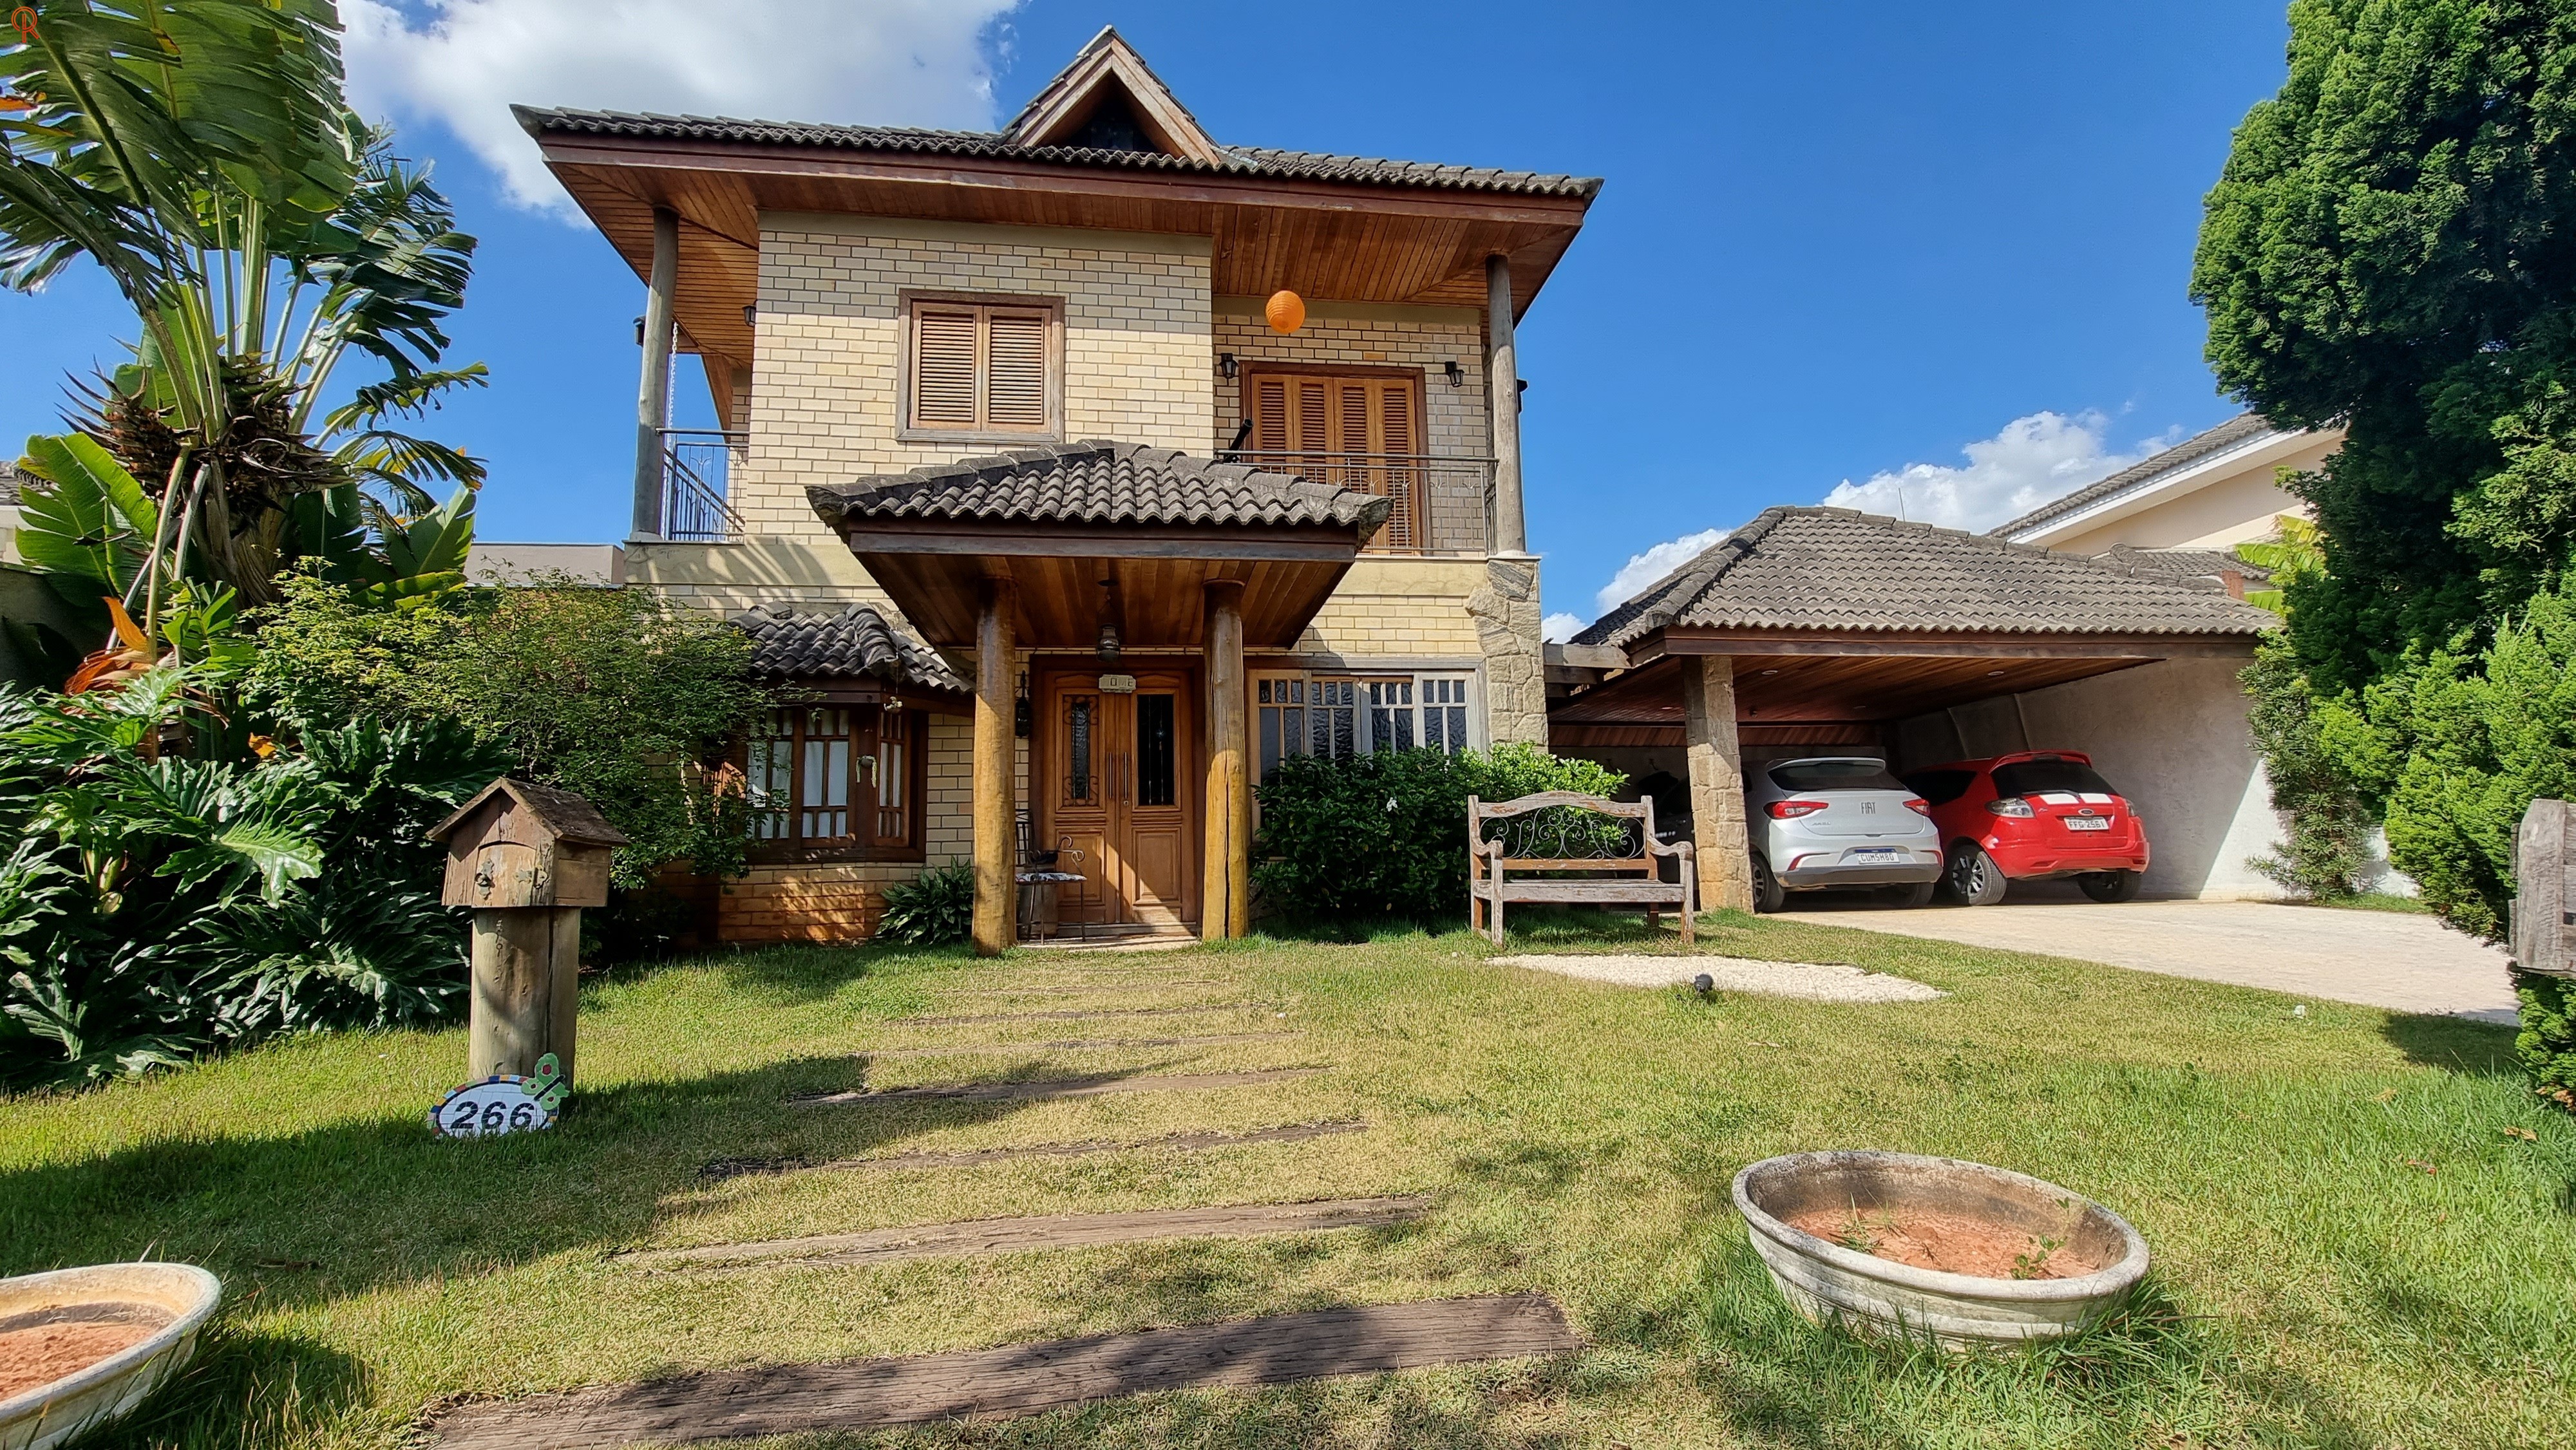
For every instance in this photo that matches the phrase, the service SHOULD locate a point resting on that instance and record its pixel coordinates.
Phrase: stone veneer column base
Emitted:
(1506, 611)
(1716, 783)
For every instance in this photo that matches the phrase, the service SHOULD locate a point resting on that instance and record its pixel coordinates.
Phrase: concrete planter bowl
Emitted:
(1832, 1284)
(173, 1299)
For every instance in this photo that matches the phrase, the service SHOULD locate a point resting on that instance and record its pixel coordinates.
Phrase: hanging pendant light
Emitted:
(1286, 311)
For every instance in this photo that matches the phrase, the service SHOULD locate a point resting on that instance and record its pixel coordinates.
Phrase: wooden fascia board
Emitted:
(1037, 541)
(1994, 646)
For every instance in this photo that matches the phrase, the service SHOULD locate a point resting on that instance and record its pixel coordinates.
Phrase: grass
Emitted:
(2351, 1248)
(2374, 901)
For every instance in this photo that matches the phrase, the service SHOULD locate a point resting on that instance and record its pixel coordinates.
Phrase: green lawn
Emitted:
(2352, 1248)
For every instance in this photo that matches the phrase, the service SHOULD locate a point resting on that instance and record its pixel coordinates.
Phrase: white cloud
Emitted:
(2034, 459)
(464, 62)
(1558, 628)
(1644, 569)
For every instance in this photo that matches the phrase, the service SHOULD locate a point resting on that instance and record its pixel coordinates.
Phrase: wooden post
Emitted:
(527, 990)
(2542, 922)
(1225, 908)
(653, 397)
(1503, 397)
(1716, 765)
(996, 781)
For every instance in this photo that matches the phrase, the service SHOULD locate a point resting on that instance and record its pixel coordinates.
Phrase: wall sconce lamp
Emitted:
(1227, 367)
(639, 332)
(750, 314)
(1023, 714)
(1457, 375)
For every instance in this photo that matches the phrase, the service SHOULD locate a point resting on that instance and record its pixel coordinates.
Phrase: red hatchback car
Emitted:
(2041, 814)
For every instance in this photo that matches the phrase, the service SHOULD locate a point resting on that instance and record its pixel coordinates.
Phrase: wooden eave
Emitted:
(1681, 640)
(1326, 240)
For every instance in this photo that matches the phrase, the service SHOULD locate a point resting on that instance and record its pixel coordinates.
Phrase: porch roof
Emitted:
(854, 644)
(1099, 482)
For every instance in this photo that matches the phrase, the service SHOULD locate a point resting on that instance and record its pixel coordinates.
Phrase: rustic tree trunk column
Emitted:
(1503, 397)
(653, 397)
(1716, 783)
(1226, 902)
(527, 990)
(996, 784)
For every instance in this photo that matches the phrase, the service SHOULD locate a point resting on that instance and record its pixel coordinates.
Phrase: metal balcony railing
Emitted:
(697, 473)
(1408, 479)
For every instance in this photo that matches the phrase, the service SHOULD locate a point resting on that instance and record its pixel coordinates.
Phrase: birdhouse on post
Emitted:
(527, 858)
(2544, 899)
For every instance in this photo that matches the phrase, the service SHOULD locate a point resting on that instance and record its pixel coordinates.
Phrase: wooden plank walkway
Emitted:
(723, 1168)
(1075, 1087)
(1085, 1015)
(1075, 1044)
(1015, 1380)
(1050, 1231)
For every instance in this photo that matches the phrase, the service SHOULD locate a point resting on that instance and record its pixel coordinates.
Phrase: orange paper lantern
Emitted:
(1286, 311)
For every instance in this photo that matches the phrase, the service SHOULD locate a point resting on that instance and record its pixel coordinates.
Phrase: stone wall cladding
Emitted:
(1506, 615)
(1138, 366)
(1436, 336)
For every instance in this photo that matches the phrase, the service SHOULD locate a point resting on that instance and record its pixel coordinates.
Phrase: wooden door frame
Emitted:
(1189, 765)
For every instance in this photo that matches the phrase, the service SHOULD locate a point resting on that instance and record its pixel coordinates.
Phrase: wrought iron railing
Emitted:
(1408, 479)
(697, 476)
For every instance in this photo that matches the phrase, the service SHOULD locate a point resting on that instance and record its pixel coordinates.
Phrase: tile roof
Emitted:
(853, 644)
(1244, 161)
(2180, 563)
(10, 480)
(2243, 428)
(1834, 569)
(1099, 482)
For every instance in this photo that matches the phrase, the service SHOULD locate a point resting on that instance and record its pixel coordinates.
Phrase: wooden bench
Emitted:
(1588, 858)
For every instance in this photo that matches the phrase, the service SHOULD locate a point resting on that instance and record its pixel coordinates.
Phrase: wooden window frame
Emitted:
(1248, 407)
(909, 303)
(862, 845)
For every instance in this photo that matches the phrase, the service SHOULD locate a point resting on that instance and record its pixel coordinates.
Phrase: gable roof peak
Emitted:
(1108, 99)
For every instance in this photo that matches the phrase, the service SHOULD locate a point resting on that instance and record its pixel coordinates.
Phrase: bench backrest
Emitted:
(1560, 830)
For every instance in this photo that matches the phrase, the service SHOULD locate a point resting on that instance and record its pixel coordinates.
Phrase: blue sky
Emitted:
(1837, 243)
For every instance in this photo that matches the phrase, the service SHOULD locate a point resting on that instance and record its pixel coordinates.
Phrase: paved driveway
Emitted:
(2375, 958)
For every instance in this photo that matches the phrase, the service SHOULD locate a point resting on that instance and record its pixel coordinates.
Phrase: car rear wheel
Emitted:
(2110, 885)
(1768, 894)
(1974, 877)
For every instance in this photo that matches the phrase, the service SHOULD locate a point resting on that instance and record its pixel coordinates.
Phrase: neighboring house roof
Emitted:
(2181, 564)
(1834, 569)
(854, 644)
(10, 482)
(1100, 482)
(2243, 428)
(1239, 161)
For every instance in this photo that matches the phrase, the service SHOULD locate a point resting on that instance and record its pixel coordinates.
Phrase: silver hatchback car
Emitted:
(1838, 822)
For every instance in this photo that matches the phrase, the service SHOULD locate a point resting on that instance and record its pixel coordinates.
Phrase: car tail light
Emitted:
(1791, 810)
(2011, 805)
(1919, 806)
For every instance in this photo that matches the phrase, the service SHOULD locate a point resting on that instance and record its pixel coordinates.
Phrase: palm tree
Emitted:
(201, 153)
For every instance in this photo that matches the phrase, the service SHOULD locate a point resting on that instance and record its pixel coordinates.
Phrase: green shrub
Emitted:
(932, 909)
(1385, 835)
(2329, 823)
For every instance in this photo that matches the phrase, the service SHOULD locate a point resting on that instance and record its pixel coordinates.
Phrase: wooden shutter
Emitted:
(1398, 481)
(1270, 427)
(1015, 376)
(944, 345)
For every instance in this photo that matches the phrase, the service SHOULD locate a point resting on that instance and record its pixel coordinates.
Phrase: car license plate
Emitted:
(2088, 823)
(1875, 858)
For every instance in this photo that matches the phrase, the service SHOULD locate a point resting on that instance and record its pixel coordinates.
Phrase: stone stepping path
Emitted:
(1084, 1016)
(724, 1168)
(1025, 1379)
(1076, 1044)
(1082, 1087)
(1051, 1231)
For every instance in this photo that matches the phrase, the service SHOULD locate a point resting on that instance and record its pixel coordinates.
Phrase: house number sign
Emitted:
(1118, 684)
(505, 1104)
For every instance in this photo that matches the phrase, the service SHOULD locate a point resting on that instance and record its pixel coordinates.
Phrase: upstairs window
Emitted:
(976, 367)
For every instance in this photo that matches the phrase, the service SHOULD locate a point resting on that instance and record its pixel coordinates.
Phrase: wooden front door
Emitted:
(1119, 776)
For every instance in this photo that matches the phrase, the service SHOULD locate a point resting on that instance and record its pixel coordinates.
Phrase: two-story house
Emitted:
(1074, 473)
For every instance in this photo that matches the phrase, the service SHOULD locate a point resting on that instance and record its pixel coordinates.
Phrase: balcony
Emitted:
(697, 474)
(1405, 478)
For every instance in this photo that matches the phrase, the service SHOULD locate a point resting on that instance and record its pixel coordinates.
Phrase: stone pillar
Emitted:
(1506, 611)
(1225, 903)
(653, 396)
(1716, 783)
(997, 889)
(1503, 398)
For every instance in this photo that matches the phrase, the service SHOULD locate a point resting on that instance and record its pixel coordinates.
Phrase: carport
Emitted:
(1815, 629)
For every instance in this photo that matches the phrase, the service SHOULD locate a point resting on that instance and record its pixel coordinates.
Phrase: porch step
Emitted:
(1015, 1380)
(724, 1168)
(1079, 1087)
(1052, 1231)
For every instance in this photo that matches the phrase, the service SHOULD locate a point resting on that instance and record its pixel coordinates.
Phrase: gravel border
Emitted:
(1806, 981)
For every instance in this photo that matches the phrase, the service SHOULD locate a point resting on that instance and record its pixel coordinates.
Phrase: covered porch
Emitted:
(1107, 594)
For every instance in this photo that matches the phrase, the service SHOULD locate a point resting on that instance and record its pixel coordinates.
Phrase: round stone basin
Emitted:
(2083, 1259)
(80, 1347)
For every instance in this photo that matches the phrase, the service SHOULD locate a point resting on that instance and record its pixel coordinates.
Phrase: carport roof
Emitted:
(1839, 571)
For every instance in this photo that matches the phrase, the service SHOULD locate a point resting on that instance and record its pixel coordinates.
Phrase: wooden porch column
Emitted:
(653, 397)
(1716, 783)
(1225, 902)
(997, 889)
(1503, 397)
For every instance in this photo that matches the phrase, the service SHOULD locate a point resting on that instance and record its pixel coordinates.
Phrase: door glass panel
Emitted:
(1154, 750)
(1078, 712)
